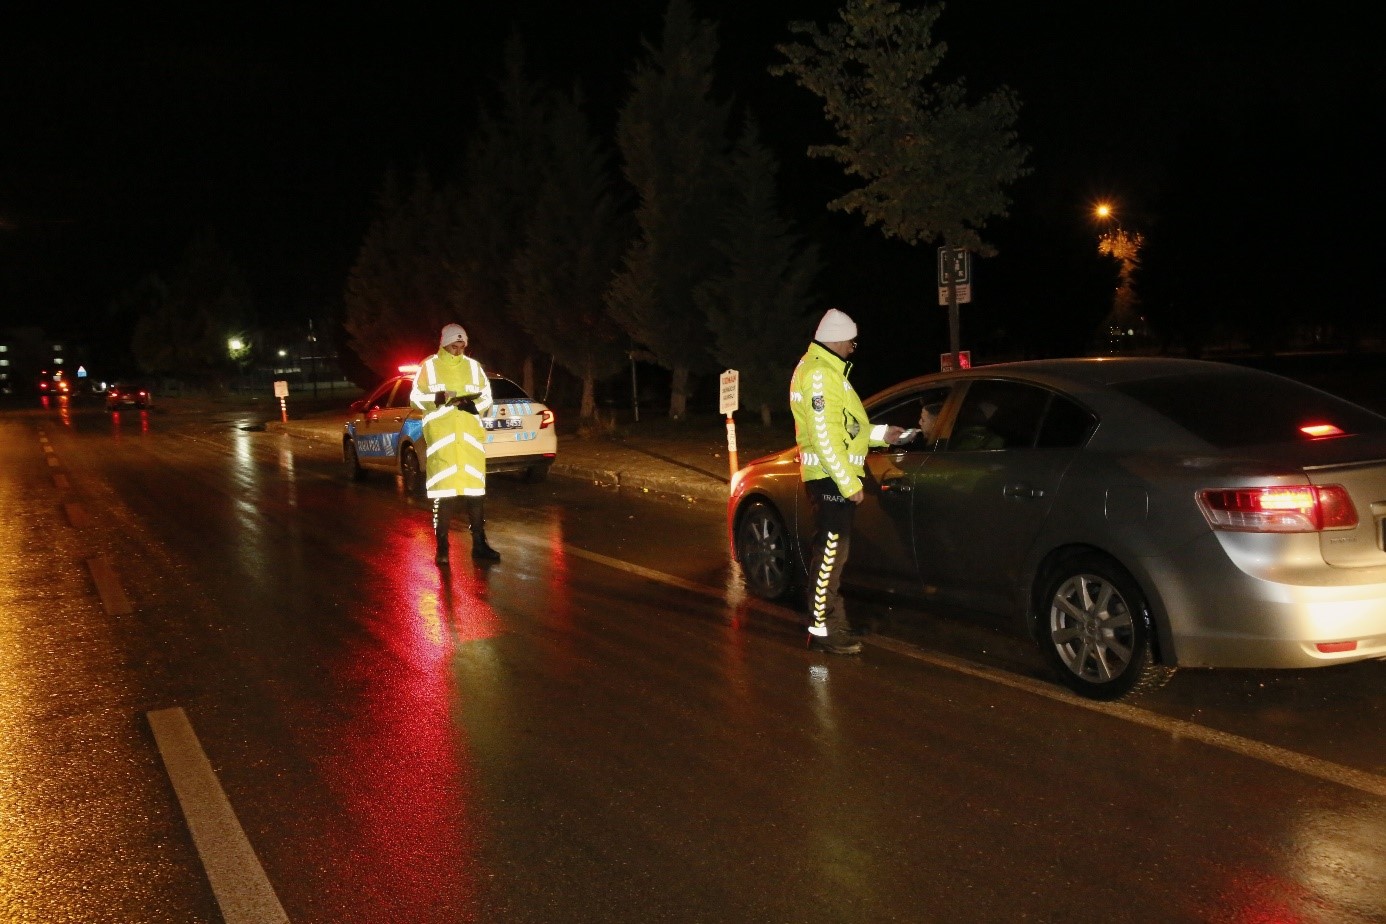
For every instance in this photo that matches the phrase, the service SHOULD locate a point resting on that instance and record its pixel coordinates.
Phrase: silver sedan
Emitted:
(1132, 515)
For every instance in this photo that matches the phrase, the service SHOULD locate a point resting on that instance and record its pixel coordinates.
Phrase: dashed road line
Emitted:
(242, 889)
(108, 587)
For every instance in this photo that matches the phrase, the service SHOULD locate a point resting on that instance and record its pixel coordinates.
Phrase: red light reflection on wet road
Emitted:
(395, 757)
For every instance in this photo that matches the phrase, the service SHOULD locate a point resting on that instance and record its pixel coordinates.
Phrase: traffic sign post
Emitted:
(281, 391)
(730, 382)
(954, 286)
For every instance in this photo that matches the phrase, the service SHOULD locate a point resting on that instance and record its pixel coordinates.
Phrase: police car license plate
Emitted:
(503, 423)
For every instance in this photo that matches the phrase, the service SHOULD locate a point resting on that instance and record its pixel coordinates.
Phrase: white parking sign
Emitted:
(731, 391)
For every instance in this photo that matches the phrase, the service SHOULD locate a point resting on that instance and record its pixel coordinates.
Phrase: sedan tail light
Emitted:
(545, 418)
(1280, 509)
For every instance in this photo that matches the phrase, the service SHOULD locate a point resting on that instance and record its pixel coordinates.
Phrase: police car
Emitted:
(386, 432)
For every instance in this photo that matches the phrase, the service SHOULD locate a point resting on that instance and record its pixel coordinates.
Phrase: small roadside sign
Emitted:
(954, 266)
(281, 391)
(946, 364)
(730, 391)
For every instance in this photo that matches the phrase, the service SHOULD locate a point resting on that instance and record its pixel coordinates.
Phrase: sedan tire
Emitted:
(765, 553)
(1095, 630)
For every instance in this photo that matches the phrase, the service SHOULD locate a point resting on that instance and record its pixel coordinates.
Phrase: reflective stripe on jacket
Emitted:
(454, 440)
(830, 424)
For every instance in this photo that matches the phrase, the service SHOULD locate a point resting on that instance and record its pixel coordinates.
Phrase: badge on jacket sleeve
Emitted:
(818, 404)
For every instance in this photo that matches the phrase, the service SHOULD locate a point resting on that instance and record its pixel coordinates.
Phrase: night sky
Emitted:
(120, 140)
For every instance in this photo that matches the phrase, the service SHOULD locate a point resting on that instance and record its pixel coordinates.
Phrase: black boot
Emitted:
(476, 513)
(442, 514)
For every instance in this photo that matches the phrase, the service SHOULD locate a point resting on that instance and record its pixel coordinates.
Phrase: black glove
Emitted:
(465, 404)
(440, 398)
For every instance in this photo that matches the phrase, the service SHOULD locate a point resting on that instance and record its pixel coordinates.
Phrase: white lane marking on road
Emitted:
(1370, 783)
(108, 587)
(1328, 771)
(242, 890)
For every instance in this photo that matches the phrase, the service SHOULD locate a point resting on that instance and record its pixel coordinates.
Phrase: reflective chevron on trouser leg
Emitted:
(827, 614)
(821, 580)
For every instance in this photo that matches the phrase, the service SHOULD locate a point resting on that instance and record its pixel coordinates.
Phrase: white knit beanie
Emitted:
(835, 327)
(452, 333)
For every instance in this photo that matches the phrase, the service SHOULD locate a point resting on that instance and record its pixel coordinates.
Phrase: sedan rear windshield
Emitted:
(1246, 408)
(506, 390)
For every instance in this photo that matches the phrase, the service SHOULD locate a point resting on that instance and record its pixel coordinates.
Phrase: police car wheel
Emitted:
(409, 470)
(353, 462)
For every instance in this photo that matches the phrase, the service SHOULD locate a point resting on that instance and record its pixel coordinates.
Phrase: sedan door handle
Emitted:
(1022, 491)
(895, 486)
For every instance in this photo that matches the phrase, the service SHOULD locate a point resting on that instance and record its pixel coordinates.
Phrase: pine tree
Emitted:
(397, 295)
(672, 136)
(757, 306)
(573, 244)
(501, 168)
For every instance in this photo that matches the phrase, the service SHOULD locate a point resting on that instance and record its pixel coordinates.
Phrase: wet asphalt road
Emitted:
(233, 686)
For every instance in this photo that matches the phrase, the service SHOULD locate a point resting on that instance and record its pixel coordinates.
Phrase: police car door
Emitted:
(377, 432)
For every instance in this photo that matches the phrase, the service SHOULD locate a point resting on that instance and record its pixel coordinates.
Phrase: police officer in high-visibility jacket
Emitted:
(833, 433)
(452, 391)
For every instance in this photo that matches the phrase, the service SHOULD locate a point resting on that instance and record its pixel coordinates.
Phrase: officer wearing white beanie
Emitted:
(834, 434)
(836, 327)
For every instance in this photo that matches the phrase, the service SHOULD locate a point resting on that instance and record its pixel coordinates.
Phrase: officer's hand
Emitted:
(440, 398)
(858, 497)
(893, 434)
(465, 404)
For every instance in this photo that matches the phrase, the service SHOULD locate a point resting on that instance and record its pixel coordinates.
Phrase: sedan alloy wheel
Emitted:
(1097, 630)
(765, 552)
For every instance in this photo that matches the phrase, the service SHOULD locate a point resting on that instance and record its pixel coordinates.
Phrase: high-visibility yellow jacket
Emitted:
(830, 424)
(454, 440)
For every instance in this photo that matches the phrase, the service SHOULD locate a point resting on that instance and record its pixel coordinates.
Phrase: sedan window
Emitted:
(1066, 425)
(998, 415)
(917, 411)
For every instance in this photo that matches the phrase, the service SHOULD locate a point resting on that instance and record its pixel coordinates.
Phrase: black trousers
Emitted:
(445, 508)
(832, 544)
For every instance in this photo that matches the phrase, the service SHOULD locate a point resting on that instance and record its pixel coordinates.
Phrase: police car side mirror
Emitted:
(357, 406)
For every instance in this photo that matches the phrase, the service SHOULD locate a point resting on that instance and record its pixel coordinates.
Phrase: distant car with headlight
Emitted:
(385, 432)
(1132, 515)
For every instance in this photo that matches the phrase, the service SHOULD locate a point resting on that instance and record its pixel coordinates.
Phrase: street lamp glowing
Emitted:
(235, 345)
(1103, 210)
